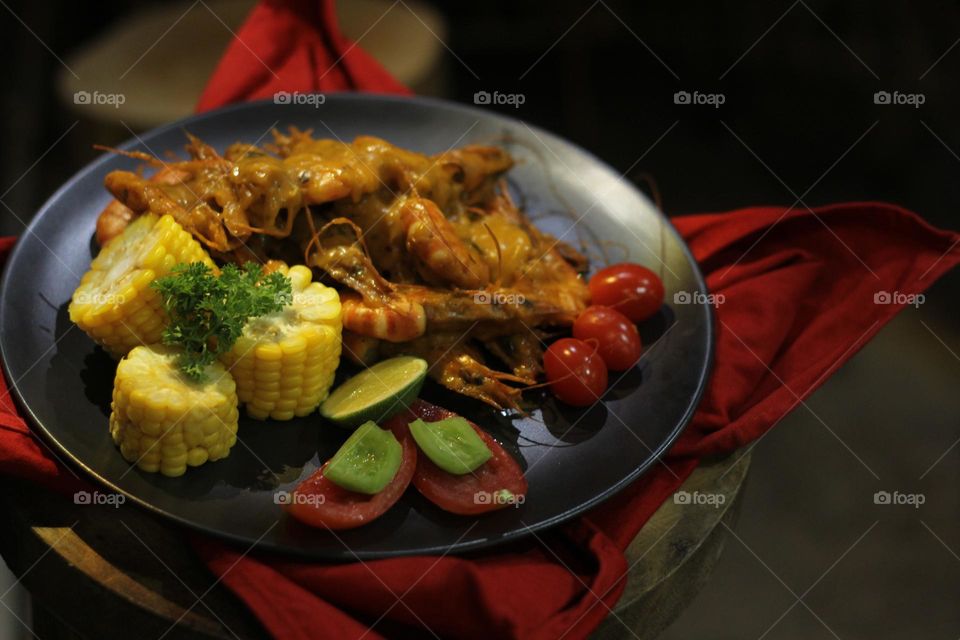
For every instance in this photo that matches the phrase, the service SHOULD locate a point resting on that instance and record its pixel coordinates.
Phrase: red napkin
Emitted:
(795, 307)
(293, 45)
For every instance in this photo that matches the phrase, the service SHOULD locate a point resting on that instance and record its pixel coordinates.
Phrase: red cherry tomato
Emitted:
(618, 341)
(575, 371)
(631, 289)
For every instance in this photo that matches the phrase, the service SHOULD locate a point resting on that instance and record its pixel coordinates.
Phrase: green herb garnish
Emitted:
(207, 313)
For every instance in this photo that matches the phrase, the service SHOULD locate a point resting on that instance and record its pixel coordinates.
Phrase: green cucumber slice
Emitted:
(451, 444)
(377, 393)
(367, 461)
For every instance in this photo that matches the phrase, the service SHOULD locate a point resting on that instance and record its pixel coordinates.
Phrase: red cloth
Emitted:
(293, 45)
(796, 306)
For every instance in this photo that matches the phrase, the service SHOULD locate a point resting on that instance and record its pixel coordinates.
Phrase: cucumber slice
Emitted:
(451, 444)
(376, 393)
(367, 461)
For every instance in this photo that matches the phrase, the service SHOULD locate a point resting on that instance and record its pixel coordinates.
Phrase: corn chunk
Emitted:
(284, 362)
(114, 303)
(163, 421)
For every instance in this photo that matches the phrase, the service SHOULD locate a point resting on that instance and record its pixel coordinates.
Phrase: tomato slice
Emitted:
(320, 503)
(495, 484)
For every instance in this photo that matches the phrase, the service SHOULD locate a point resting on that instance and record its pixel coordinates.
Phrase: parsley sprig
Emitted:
(207, 313)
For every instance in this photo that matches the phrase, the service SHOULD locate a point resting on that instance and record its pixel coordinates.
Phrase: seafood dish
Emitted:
(240, 280)
(411, 241)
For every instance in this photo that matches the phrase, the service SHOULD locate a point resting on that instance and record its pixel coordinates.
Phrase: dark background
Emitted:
(798, 81)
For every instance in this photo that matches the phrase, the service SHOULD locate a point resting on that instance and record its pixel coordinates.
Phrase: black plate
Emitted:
(574, 459)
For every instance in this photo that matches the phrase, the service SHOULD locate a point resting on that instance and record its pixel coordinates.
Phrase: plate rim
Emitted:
(68, 458)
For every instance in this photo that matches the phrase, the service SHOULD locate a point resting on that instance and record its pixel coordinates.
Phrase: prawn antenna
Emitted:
(136, 155)
(496, 243)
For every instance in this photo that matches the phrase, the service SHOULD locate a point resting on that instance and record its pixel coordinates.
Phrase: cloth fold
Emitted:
(290, 46)
(795, 295)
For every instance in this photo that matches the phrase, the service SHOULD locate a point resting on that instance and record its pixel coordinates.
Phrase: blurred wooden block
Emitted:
(150, 68)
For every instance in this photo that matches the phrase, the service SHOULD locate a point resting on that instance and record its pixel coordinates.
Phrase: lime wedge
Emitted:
(376, 393)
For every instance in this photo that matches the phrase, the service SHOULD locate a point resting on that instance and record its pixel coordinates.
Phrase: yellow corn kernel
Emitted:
(163, 421)
(114, 303)
(284, 362)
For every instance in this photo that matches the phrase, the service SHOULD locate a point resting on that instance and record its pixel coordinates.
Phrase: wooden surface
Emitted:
(102, 572)
(674, 554)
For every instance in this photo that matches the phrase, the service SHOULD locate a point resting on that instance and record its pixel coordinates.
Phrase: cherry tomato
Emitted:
(320, 503)
(631, 289)
(618, 341)
(575, 371)
(495, 484)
